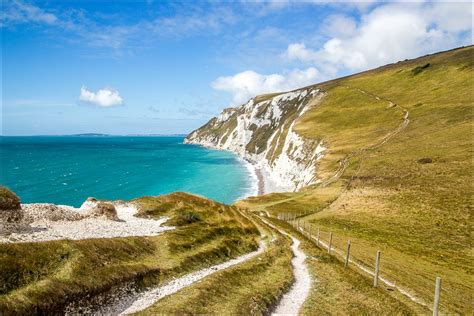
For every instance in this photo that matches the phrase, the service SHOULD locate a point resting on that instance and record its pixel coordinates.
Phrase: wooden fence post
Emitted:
(377, 269)
(436, 298)
(347, 253)
(318, 237)
(330, 243)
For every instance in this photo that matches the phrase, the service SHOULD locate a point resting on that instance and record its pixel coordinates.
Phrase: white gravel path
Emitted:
(43, 230)
(292, 301)
(135, 302)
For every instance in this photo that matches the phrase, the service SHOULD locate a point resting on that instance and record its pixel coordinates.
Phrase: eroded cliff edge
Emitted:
(261, 131)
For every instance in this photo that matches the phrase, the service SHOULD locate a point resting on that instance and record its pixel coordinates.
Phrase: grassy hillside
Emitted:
(398, 173)
(250, 288)
(43, 277)
(254, 287)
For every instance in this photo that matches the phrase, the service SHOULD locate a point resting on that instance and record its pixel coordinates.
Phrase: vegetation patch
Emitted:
(415, 71)
(8, 199)
(250, 288)
(425, 160)
(340, 290)
(411, 196)
(44, 277)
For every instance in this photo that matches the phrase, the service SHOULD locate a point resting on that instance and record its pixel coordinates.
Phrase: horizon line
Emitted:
(97, 135)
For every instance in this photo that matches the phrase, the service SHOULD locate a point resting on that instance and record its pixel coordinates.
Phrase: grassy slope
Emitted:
(253, 287)
(43, 277)
(338, 290)
(418, 213)
(250, 288)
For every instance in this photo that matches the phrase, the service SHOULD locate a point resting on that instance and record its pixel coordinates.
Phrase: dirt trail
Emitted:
(128, 300)
(293, 300)
(345, 161)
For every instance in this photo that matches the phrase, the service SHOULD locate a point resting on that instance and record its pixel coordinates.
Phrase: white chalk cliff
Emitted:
(262, 132)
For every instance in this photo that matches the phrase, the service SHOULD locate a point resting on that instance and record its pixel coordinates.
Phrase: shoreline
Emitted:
(261, 181)
(256, 180)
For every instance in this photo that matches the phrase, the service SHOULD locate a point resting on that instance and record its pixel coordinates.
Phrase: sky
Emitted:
(156, 67)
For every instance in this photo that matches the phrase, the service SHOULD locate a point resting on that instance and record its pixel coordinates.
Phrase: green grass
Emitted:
(411, 198)
(392, 197)
(43, 277)
(344, 291)
(250, 288)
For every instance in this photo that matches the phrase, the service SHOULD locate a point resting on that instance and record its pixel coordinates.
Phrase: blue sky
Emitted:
(130, 67)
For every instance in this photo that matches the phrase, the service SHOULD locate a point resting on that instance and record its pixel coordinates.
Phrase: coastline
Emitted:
(256, 180)
(261, 182)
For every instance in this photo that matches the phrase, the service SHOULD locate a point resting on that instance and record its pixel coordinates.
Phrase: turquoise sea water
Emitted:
(68, 169)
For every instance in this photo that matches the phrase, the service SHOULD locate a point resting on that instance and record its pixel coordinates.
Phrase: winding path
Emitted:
(345, 161)
(293, 300)
(131, 301)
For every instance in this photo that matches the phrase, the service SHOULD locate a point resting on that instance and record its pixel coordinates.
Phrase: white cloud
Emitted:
(339, 25)
(383, 34)
(105, 97)
(247, 84)
(20, 12)
(298, 51)
(387, 34)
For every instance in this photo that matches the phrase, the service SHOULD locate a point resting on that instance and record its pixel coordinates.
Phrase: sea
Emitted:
(68, 169)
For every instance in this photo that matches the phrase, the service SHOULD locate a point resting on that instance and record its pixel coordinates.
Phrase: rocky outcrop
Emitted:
(8, 200)
(95, 208)
(11, 214)
(50, 212)
(262, 132)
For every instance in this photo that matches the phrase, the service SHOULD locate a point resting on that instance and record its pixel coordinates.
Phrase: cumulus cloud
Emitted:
(298, 51)
(105, 97)
(247, 84)
(389, 33)
(382, 34)
(339, 25)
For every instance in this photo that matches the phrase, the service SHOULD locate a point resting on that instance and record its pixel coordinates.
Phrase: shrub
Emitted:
(415, 71)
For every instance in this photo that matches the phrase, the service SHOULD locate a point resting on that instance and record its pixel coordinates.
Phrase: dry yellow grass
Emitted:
(410, 196)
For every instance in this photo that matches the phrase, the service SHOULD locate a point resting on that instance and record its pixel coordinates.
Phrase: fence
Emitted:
(316, 236)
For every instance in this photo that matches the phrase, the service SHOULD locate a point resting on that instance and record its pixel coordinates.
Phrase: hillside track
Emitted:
(292, 301)
(343, 163)
(129, 300)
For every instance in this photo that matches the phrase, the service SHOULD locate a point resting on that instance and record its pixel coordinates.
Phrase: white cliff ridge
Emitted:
(262, 132)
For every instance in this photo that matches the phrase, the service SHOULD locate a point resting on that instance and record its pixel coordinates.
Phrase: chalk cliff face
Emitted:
(261, 132)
